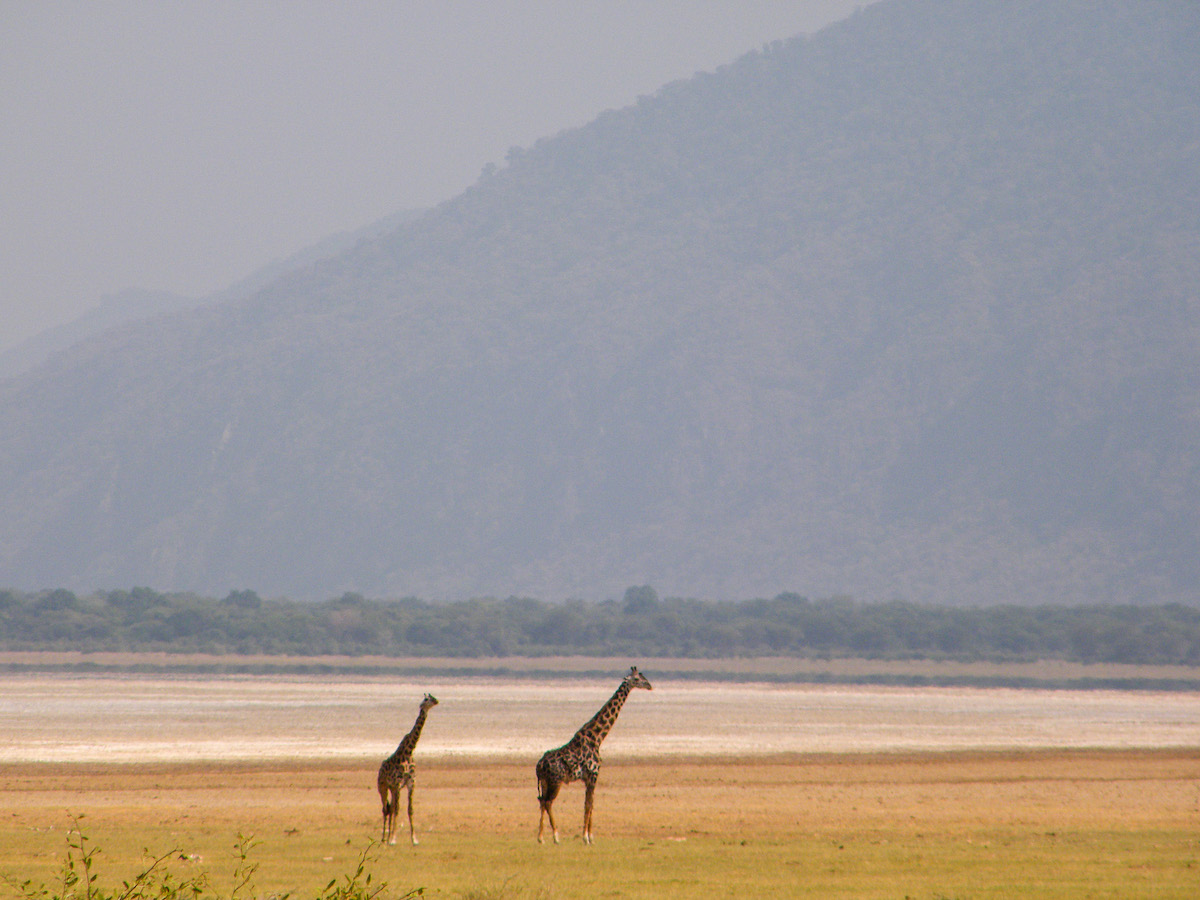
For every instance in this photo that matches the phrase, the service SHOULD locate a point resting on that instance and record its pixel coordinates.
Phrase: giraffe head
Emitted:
(636, 679)
(428, 702)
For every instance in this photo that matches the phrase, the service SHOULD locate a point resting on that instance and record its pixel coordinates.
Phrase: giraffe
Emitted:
(399, 771)
(579, 758)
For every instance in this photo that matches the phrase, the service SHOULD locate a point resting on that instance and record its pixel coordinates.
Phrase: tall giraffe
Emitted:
(579, 758)
(397, 771)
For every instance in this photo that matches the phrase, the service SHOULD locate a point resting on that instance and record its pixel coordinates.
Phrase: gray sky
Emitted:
(180, 146)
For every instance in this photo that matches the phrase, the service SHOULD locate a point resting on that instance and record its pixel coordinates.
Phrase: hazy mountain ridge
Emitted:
(113, 310)
(134, 305)
(907, 308)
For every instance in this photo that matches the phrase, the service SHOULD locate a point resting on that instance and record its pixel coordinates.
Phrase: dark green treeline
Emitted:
(640, 624)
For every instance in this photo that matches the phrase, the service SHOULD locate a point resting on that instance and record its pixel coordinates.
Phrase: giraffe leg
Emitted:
(588, 795)
(383, 799)
(412, 831)
(393, 812)
(548, 791)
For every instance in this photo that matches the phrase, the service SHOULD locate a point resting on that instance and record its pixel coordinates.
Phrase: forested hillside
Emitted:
(907, 310)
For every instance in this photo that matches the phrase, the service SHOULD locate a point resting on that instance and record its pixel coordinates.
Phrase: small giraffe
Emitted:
(399, 771)
(579, 758)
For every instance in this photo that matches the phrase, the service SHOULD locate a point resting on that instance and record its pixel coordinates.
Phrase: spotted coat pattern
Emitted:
(579, 758)
(397, 771)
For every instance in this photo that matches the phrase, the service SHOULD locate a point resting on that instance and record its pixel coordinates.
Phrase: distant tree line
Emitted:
(640, 624)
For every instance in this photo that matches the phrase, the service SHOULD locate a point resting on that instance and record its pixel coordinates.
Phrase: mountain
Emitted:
(113, 310)
(138, 304)
(909, 308)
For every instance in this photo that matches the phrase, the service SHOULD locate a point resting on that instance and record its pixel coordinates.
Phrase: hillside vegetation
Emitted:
(908, 310)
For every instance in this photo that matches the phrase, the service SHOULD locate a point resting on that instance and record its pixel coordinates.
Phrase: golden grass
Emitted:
(1062, 824)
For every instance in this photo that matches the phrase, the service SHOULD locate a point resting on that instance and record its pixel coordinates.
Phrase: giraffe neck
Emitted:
(410, 739)
(597, 727)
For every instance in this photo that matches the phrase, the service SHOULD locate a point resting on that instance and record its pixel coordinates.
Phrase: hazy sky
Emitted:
(180, 146)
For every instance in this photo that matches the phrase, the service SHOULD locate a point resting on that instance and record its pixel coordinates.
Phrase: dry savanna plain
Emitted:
(708, 790)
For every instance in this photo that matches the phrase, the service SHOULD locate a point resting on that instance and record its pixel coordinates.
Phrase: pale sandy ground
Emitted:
(764, 667)
(100, 718)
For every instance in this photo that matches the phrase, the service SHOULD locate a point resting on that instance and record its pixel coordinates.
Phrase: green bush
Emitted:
(156, 881)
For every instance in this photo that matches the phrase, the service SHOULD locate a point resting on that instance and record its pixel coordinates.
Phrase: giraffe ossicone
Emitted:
(579, 758)
(397, 771)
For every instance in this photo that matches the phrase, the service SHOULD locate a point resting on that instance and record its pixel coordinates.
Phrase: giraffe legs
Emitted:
(389, 795)
(548, 790)
(547, 814)
(589, 793)
(390, 798)
(412, 831)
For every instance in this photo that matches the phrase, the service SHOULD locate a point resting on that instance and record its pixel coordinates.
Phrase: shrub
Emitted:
(156, 881)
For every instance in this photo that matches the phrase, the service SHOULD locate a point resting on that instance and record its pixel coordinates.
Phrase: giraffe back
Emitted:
(576, 760)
